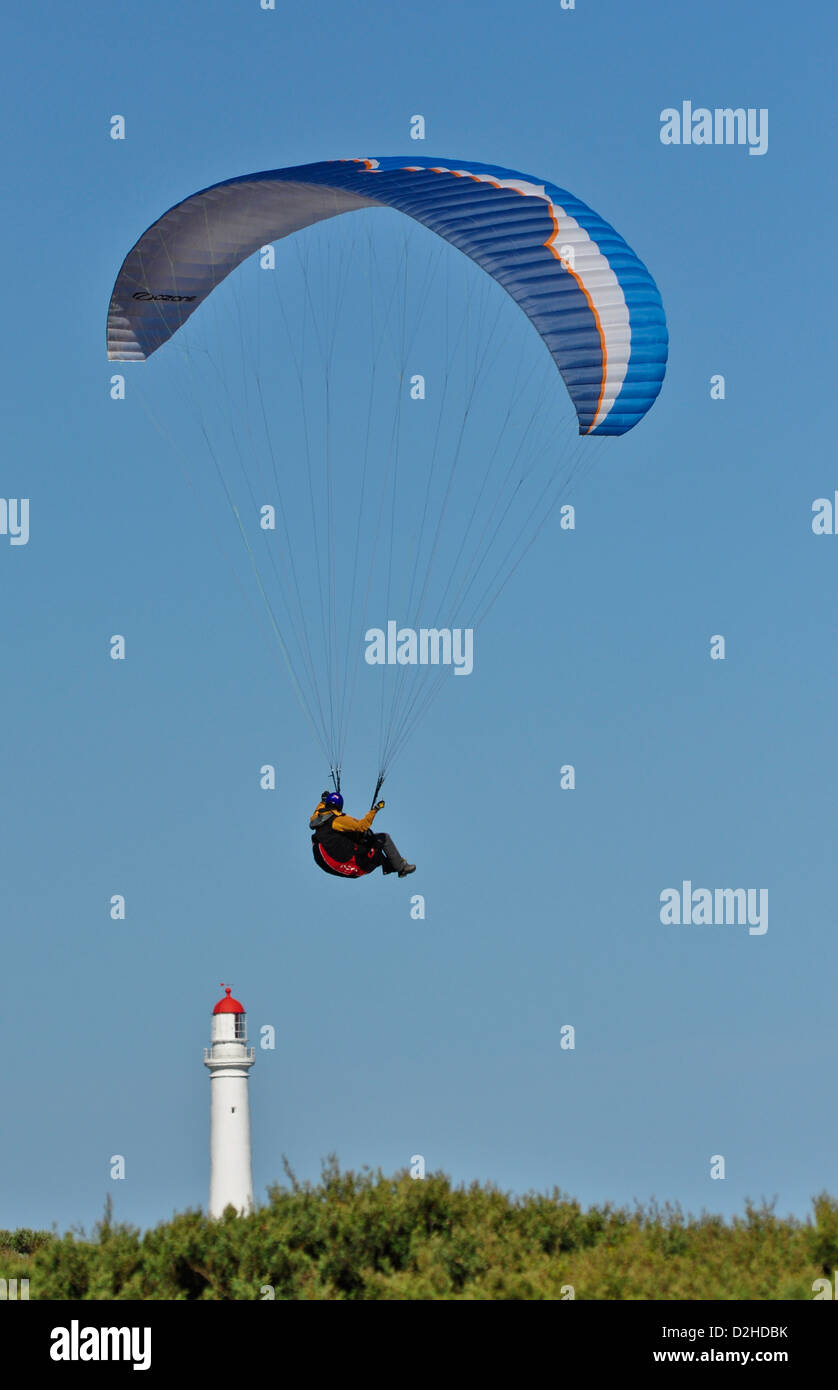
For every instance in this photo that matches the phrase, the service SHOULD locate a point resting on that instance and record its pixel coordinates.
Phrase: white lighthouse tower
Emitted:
(229, 1060)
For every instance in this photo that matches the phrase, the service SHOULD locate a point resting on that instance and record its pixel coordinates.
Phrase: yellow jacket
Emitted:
(345, 825)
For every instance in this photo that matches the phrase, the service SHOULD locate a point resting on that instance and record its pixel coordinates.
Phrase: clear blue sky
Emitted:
(440, 1037)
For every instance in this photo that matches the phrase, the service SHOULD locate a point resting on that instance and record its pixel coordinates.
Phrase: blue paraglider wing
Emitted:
(588, 295)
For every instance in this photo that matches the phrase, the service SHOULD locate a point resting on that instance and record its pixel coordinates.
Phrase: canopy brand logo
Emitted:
(76, 1343)
(719, 907)
(429, 646)
(724, 125)
(148, 298)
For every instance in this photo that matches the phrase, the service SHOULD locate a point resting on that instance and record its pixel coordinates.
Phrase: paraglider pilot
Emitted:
(347, 847)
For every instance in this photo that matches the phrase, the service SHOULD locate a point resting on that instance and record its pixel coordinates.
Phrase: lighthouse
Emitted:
(229, 1060)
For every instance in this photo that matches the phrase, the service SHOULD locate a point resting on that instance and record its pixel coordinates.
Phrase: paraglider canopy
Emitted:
(416, 525)
(588, 295)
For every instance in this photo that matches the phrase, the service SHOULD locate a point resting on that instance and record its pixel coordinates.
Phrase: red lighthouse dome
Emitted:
(228, 1005)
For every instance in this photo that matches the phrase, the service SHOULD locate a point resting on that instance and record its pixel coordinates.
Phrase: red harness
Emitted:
(350, 868)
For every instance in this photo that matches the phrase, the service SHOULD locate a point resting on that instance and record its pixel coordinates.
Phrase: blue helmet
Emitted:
(334, 801)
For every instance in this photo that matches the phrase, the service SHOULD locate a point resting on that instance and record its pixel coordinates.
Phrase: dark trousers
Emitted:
(392, 859)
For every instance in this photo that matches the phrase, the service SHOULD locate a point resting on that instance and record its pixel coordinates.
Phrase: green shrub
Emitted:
(368, 1237)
